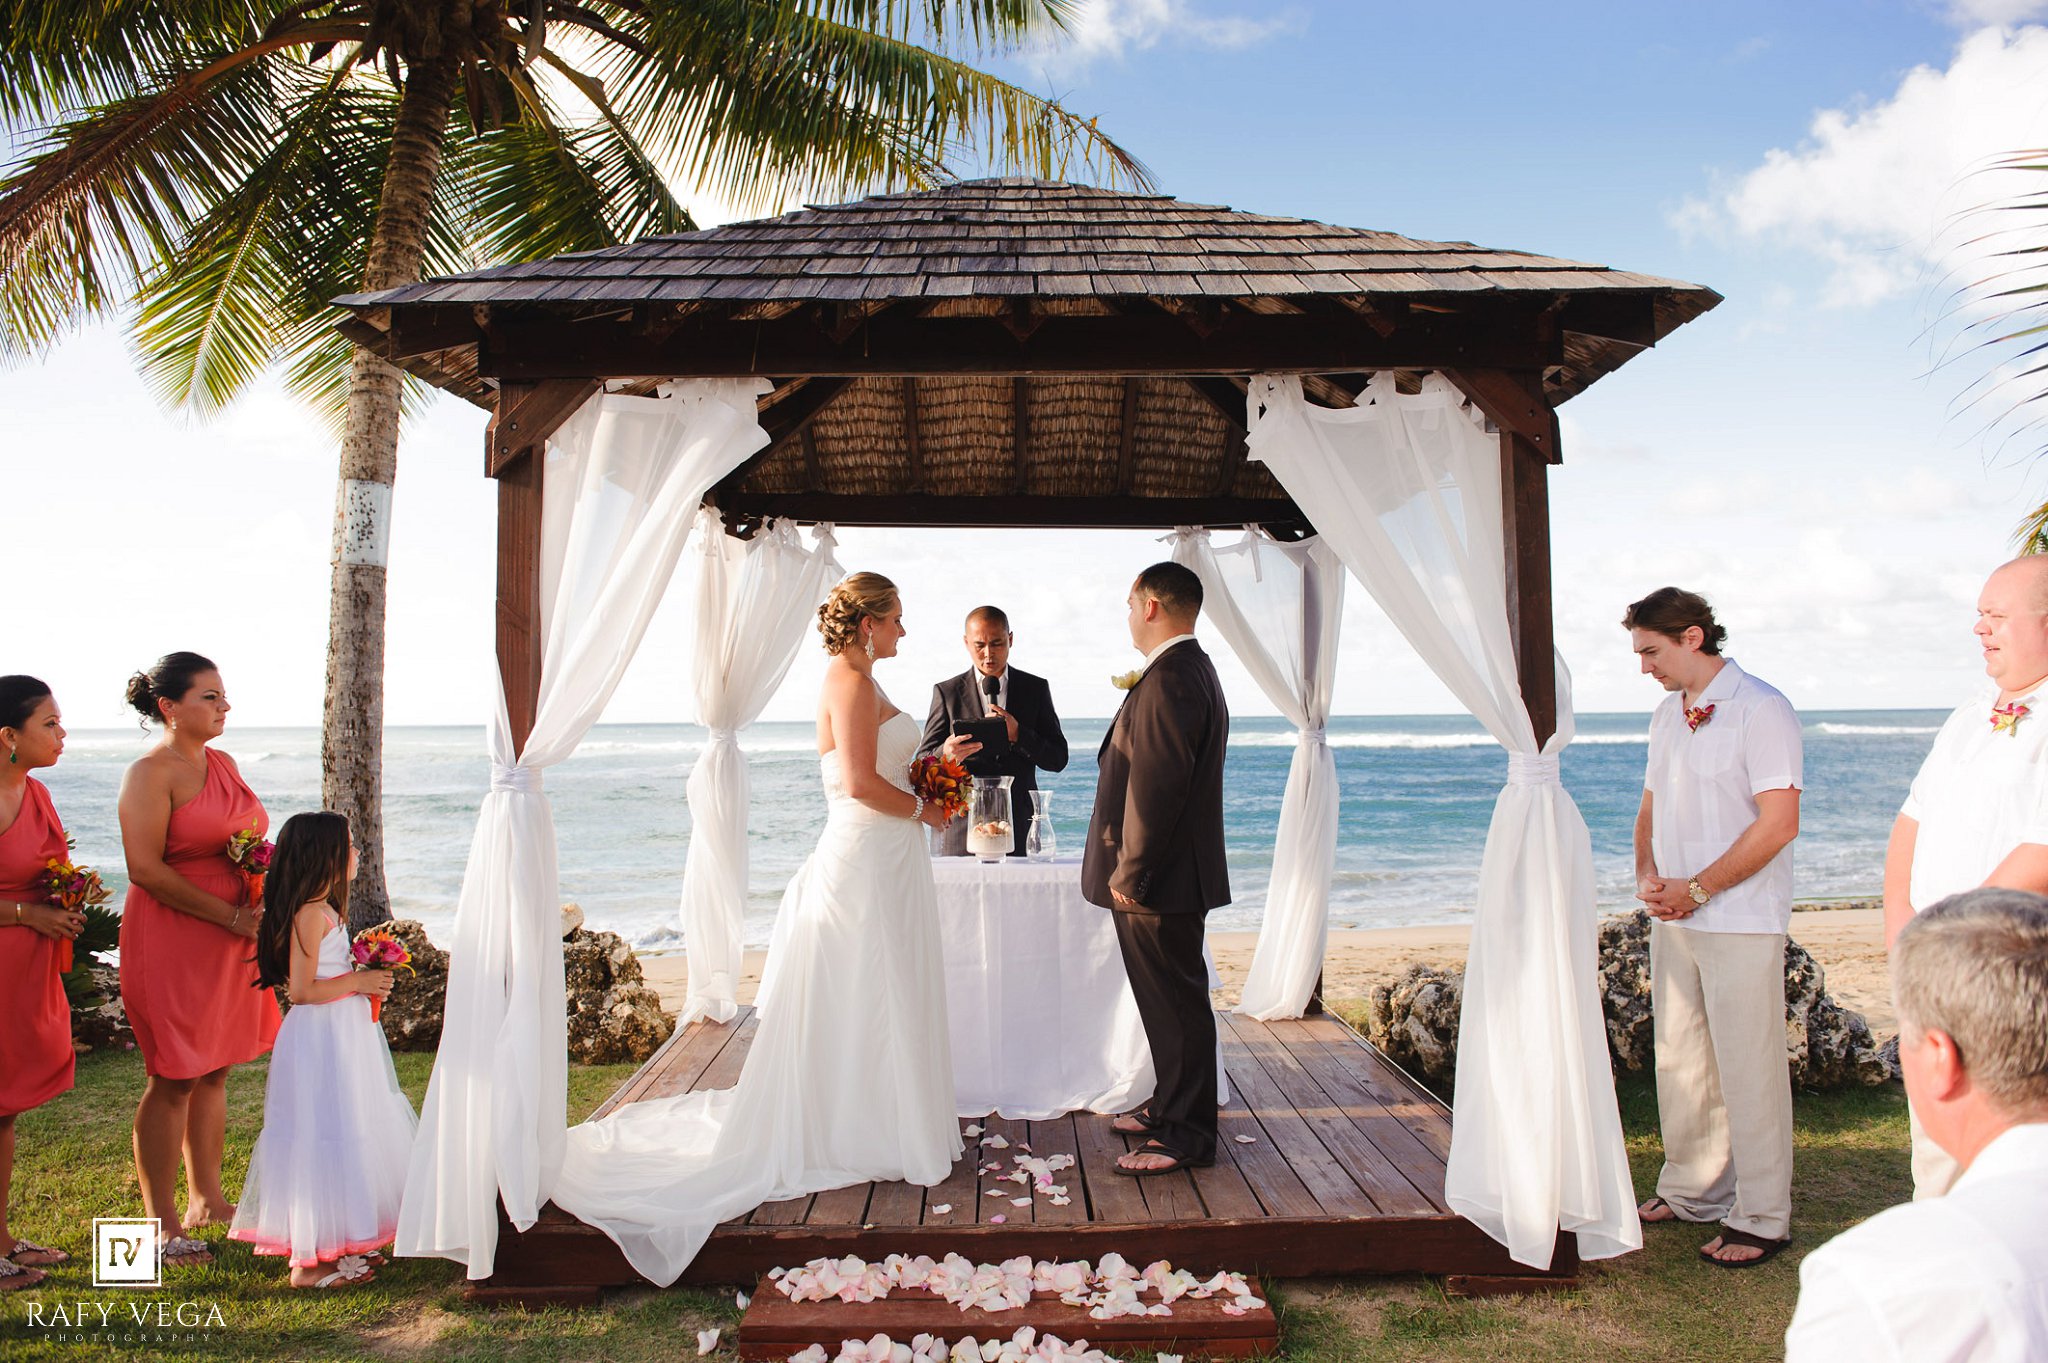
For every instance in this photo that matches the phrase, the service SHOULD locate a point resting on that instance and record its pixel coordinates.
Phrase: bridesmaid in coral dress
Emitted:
(36, 1059)
(188, 930)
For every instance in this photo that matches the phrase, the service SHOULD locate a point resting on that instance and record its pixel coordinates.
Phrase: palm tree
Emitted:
(230, 167)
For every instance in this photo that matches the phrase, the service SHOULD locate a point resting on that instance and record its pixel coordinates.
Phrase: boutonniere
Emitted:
(2005, 719)
(1695, 716)
(1124, 681)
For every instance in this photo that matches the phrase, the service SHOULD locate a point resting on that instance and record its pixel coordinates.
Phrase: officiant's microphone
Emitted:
(992, 687)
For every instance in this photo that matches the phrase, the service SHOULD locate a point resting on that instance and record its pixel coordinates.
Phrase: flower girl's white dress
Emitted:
(327, 1171)
(850, 1076)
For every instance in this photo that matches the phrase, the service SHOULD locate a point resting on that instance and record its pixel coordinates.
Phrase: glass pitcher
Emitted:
(1039, 842)
(990, 834)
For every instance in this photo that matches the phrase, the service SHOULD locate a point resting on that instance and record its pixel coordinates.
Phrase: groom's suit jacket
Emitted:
(1156, 835)
(1040, 745)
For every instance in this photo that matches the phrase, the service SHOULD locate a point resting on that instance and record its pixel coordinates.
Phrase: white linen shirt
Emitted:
(1703, 785)
(1961, 1278)
(1164, 644)
(1979, 794)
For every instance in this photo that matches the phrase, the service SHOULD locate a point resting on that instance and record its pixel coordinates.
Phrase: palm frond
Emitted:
(764, 102)
(104, 197)
(210, 323)
(60, 56)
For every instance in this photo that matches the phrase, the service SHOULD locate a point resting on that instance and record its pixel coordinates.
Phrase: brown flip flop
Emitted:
(1731, 1236)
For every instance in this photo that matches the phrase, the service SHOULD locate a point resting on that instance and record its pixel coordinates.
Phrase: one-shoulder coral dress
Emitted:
(189, 985)
(36, 1061)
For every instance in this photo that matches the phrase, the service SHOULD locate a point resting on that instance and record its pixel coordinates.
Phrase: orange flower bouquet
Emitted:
(943, 783)
(250, 851)
(379, 949)
(74, 887)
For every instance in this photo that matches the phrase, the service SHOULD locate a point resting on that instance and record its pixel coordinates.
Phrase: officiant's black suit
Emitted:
(1040, 745)
(1156, 836)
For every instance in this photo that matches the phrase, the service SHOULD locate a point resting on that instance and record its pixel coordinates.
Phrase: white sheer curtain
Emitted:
(622, 482)
(1407, 492)
(756, 602)
(1279, 606)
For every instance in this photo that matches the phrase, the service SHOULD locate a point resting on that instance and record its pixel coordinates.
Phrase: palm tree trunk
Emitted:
(352, 729)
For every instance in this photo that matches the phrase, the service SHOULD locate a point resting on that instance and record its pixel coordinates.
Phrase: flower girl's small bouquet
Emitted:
(74, 887)
(378, 949)
(250, 852)
(943, 783)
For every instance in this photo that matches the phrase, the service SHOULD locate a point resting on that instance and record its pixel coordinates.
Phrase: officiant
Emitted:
(988, 695)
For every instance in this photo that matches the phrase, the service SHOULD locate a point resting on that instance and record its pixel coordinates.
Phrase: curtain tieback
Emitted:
(1318, 734)
(516, 780)
(722, 738)
(1532, 769)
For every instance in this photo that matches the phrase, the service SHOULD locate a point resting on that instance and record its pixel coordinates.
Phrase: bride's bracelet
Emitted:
(916, 810)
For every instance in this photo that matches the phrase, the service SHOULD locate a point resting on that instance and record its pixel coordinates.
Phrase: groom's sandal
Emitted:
(1176, 1161)
(1139, 1123)
(1730, 1236)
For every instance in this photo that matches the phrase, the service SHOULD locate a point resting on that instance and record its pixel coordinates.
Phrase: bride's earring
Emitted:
(869, 644)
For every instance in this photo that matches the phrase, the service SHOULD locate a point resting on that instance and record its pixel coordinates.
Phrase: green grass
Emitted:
(74, 1164)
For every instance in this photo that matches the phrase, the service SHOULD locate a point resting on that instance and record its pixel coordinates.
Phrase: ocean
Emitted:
(1417, 793)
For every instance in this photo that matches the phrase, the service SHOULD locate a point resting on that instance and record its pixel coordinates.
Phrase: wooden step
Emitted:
(775, 1327)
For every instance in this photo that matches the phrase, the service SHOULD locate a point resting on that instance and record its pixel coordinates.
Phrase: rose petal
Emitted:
(741, 1300)
(941, 1208)
(707, 1340)
(1246, 1140)
(998, 1219)
(976, 1129)
(1020, 1202)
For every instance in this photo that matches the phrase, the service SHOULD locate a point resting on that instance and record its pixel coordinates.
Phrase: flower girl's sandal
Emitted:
(349, 1271)
(13, 1277)
(29, 1254)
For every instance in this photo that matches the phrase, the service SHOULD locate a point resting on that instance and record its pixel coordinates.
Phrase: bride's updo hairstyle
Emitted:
(863, 596)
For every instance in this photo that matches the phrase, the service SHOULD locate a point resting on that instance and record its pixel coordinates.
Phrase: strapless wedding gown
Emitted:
(850, 1077)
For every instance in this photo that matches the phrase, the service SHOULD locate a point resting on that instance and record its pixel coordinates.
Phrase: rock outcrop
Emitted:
(1414, 1020)
(412, 1012)
(613, 1015)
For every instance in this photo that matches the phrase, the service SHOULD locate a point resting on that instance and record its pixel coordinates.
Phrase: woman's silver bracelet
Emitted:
(917, 810)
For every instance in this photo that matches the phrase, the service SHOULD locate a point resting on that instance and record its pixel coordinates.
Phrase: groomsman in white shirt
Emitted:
(1713, 843)
(1978, 811)
(1961, 1278)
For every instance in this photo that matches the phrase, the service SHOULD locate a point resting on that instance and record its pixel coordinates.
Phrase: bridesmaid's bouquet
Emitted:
(250, 852)
(943, 782)
(73, 887)
(379, 949)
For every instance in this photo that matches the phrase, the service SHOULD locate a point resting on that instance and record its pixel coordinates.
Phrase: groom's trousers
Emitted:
(1170, 981)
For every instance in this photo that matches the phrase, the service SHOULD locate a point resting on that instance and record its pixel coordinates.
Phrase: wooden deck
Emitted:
(1343, 1174)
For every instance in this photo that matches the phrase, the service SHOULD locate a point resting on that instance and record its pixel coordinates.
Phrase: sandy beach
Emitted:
(1848, 943)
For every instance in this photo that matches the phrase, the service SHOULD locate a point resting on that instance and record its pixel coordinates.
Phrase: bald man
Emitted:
(1977, 814)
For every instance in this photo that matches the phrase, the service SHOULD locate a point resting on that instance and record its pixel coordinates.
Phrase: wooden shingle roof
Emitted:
(1015, 237)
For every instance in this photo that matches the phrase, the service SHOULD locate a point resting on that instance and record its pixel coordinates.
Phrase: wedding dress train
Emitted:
(849, 1079)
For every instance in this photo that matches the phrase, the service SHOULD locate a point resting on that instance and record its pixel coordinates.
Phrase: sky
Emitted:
(1803, 454)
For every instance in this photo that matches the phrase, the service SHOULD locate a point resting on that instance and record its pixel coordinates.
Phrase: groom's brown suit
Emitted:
(1156, 837)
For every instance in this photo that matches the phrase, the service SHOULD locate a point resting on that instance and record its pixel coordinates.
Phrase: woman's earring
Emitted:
(13, 757)
(869, 645)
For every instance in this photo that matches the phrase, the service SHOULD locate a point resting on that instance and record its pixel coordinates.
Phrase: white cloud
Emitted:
(1111, 28)
(1978, 13)
(1882, 192)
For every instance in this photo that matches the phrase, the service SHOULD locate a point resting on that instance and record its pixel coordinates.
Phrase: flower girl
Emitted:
(325, 1178)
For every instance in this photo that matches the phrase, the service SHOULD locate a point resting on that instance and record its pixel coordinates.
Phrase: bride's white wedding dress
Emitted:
(850, 1077)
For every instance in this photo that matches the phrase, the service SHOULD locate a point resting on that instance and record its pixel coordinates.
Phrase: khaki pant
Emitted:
(1934, 1169)
(1724, 1094)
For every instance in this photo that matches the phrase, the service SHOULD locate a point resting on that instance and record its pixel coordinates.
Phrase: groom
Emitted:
(1155, 859)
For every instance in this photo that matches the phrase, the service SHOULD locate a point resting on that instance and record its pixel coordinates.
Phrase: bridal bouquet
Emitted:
(943, 783)
(250, 852)
(379, 949)
(73, 887)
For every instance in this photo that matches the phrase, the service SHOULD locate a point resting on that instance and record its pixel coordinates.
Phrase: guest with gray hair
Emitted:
(1961, 1278)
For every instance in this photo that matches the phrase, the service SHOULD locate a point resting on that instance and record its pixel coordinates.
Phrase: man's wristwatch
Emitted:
(1699, 895)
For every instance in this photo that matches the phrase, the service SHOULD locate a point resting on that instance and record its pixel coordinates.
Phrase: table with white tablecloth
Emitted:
(1043, 1021)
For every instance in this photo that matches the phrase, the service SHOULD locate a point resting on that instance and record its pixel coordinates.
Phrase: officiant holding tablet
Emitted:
(1009, 711)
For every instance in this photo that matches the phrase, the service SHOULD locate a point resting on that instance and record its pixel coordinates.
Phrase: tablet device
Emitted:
(992, 733)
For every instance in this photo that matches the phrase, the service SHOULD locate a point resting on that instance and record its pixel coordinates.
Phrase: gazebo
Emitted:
(1021, 353)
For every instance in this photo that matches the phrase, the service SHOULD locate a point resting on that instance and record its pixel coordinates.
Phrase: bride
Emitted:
(850, 1077)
